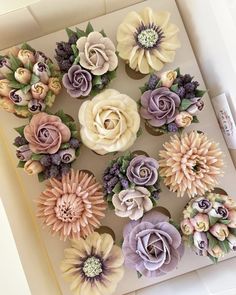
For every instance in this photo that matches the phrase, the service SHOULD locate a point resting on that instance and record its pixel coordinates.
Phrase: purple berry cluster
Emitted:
(186, 86)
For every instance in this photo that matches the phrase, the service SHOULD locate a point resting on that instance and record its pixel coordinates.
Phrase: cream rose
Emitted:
(54, 85)
(109, 122)
(167, 78)
(33, 167)
(183, 119)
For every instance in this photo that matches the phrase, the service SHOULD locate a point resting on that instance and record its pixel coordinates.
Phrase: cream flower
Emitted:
(183, 119)
(94, 266)
(109, 122)
(7, 105)
(33, 167)
(147, 40)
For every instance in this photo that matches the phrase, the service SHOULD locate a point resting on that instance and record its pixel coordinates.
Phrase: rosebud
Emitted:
(186, 227)
(232, 218)
(20, 98)
(12, 51)
(33, 167)
(24, 153)
(200, 104)
(54, 85)
(228, 202)
(41, 70)
(4, 87)
(183, 119)
(167, 78)
(200, 222)
(202, 205)
(220, 231)
(200, 252)
(200, 240)
(22, 75)
(7, 105)
(67, 156)
(41, 57)
(39, 90)
(5, 66)
(216, 252)
(232, 242)
(219, 211)
(36, 106)
(26, 56)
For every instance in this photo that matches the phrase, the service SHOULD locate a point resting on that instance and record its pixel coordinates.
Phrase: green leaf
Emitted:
(11, 77)
(124, 166)
(89, 28)
(140, 131)
(26, 88)
(21, 164)
(233, 231)
(29, 65)
(213, 220)
(34, 79)
(175, 224)
(97, 80)
(174, 88)
(80, 33)
(64, 146)
(195, 119)
(69, 32)
(213, 259)
(224, 221)
(139, 275)
(15, 62)
(189, 240)
(224, 245)
(16, 85)
(77, 152)
(75, 49)
(103, 33)
(219, 200)
(143, 89)
(49, 99)
(177, 71)
(41, 177)
(111, 75)
(185, 104)
(20, 130)
(212, 241)
(199, 93)
(193, 213)
(36, 157)
(26, 46)
(76, 61)
(74, 134)
(117, 188)
(64, 117)
(159, 84)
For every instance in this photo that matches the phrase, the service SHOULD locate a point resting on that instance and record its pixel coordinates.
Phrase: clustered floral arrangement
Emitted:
(152, 245)
(109, 122)
(170, 102)
(29, 81)
(131, 185)
(146, 40)
(209, 225)
(191, 163)
(88, 61)
(47, 145)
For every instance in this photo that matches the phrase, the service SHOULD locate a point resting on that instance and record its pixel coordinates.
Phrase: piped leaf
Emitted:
(15, 62)
(174, 87)
(26, 89)
(41, 177)
(213, 259)
(34, 79)
(195, 119)
(103, 33)
(213, 220)
(80, 33)
(117, 188)
(185, 104)
(199, 93)
(224, 245)
(89, 28)
(69, 32)
(20, 130)
(212, 241)
(21, 164)
(36, 157)
(26, 46)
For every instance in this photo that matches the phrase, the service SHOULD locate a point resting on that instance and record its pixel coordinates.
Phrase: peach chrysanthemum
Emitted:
(73, 206)
(191, 164)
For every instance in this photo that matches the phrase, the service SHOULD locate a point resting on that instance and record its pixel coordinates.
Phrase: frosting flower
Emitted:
(77, 81)
(202, 205)
(152, 246)
(41, 70)
(186, 227)
(183, 119)
(67, 156)
(39, 90)
(4, 87)
(200, 222)
(26, 56)
(22, 75)
(23, 153)
(20, 98)
(232, 218)
(94, 266)
(33, 167)
(45, 133)
(109, 122)
(7, 105)
(76, 205)
(142, 170)
(132, 203)
(167, 78)
(147, 40)
(36, 106)
(220, 231)
(219, 211)
(5, 67)
(97, 53)
(160, 106)
(54, 85)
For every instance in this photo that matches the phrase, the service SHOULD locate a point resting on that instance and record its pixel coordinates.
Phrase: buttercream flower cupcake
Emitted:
(93, 265)
(88, 61)
(109, 122)
(146, 40)
(209, 225)
(152, 245)
(29, 81)
(170, 102)
(131, 185)
(47, 145)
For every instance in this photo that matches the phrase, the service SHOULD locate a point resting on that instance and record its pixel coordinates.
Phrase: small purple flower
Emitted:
(77, 81)
(41, 70)
(5, 66)
(202, 205)
(46, 160)
(219, 211)
(124, 183)
(172, 127)
(18, 97)
(142, 171)
(159, 106)
(196, 105)
(20, 140)
(23, 153)
(36, 106)
(152, 82)
(74, 143)
(67, 156)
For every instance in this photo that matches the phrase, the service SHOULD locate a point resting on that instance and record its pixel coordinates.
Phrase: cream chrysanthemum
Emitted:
(73, 206)
(191, 164)
(147, 40)
(94, 265)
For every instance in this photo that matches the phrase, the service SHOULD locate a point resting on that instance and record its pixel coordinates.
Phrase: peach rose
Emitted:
(45, 133)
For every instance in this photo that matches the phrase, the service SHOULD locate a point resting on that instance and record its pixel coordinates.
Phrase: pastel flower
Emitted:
(45, 133)
(41, 57)
(219, 211)
(5, 87)
(228, 202)
(132, 203)
(142, 170)
(41, 70)
(5, 66)
(202, 205)
(186, 227)
(12, 51)
(196, 105)
(159, 106)
(94, 266)
(39, 90)
(232, 218)
(35, 106)
(147, 40)
(23, 153)
(26, 56)
(7, 105)
(54, 85)
(200, 252)
(109, 122)
(97, 53)
(216, 252)
(200, 240)
(183, 119)
(22, 75)
(232, 242)
(20, 98)
(167, 78)
(33, 167)
(200, 222)
(67, 155)
(220, 231)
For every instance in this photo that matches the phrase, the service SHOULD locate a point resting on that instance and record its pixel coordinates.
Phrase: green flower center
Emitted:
(92, 267)
(148, 38)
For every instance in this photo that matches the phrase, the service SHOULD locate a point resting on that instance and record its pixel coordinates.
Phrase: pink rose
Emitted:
(200, 222)
(45, 133)
(186, 227)
(220, 231)
(232, 218)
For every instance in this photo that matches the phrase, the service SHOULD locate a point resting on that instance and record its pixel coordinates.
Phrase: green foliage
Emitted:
(199, 93)
(174, 87)
(213, 259)
(185, 104)
(26, 46)
(213, 220)
(224, 245)
(212, 240)
(21, 164)
(41, 177)
(89, 29)
(195, 119)
(34, 79)
(36, 157)
(69, 32)
(15, 62)
(20, 130)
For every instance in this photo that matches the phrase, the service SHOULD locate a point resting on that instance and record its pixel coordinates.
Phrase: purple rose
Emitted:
(142, 170)
(67, 156)
(159, 106)
(152, 246)
(77, 81)
(23, 153)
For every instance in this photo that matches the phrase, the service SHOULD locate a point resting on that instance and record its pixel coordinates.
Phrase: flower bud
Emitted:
(7, 105)
(200, 252)
(167, 78)
(12, 51)
(36, 106)
(232, 242)
(202, 205)
(67, 156)
(24, 153)
(183, 119)
(41, 57)
(216, 252)
(39, 90)
(5, 66)
(220, 231)
(20, 98)
(219, 211)
(228, 202)
(41, 70)
(54, 85)
(200, 240)
(232, 218)
(4, 87)
(26, 56)
(200, 222)
(186, 227)
(33, 167)
(22, 75)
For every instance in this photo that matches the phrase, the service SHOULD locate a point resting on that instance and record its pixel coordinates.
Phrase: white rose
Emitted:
(109, 122)
(167, 78)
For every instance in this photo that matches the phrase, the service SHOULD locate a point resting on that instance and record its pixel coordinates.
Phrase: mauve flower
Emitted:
(39, 90)
(36, 106)
(5, 66)
(45, 133)
(202, 205)
(41, 70)
(142, 170)
(67, 156)
(22, 75)
(200, 240)
(132, 203)
(20, 98)
(152, 246)
(220, 231)
(77, 81)
(23, 152)
(159, 106)
(219, 211)
(186, 227)
(232, 218)
(200, 222)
